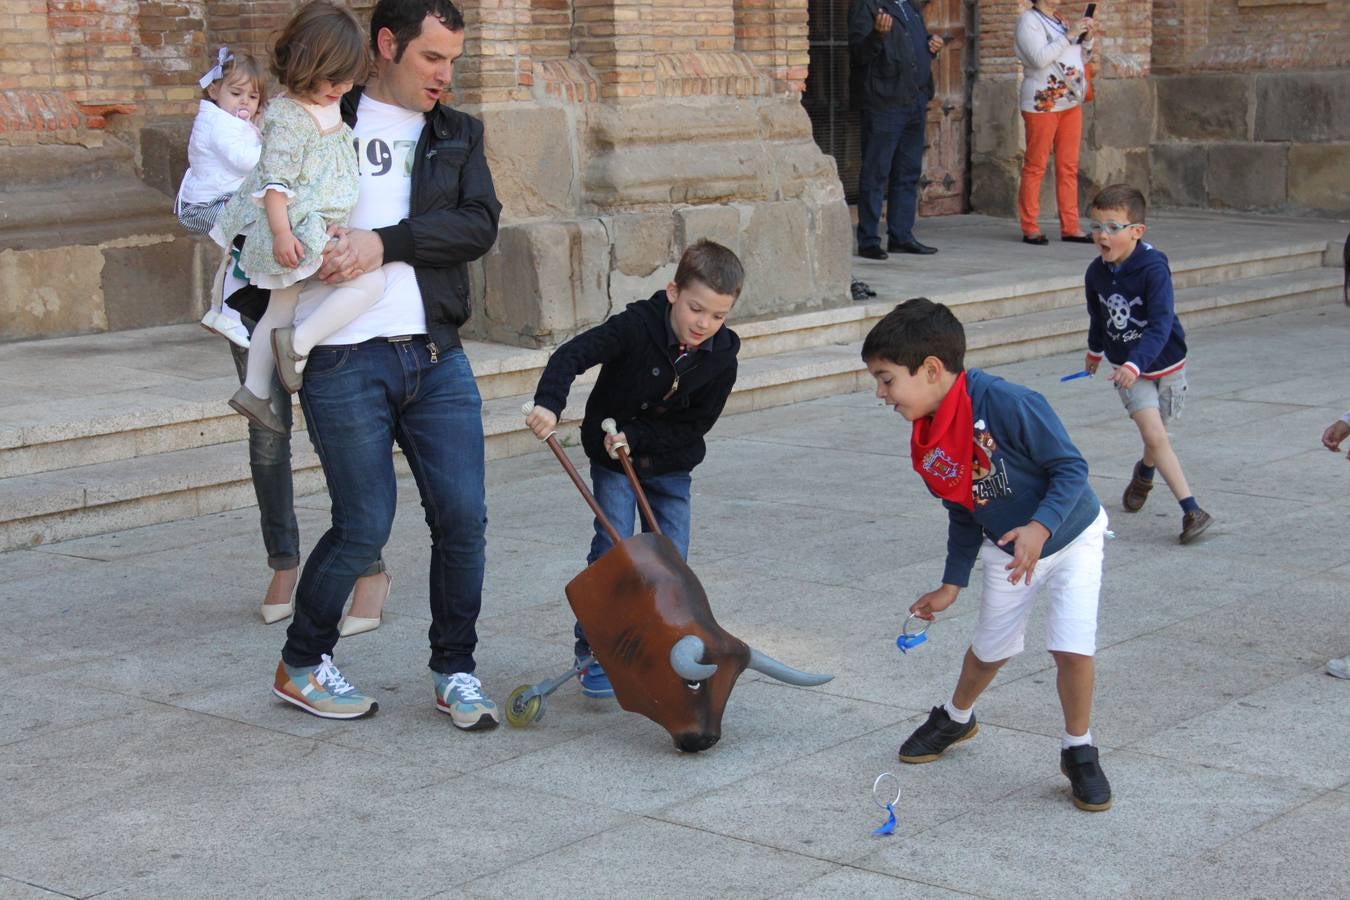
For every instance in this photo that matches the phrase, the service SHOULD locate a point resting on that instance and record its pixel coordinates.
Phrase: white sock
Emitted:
(1067, 740)
(958, 715)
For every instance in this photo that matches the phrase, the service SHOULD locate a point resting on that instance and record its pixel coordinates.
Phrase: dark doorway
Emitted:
(944, 190)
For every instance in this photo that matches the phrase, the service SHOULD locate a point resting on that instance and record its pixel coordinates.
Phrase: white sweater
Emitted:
(222, 151)
(1052, 65)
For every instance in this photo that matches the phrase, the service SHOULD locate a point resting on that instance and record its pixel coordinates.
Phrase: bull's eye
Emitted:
(694, 686)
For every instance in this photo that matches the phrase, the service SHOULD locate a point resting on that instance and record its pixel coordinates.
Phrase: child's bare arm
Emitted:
(286, 247)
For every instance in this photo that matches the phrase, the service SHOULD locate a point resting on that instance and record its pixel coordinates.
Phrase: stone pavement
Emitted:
(141, 753)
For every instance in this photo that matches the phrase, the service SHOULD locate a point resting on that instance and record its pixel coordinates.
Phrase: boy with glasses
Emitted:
(1133, 324)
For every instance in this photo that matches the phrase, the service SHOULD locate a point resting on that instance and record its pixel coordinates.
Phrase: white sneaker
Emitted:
(1339, 667)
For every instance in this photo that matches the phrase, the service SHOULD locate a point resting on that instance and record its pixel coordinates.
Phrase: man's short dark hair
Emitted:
(712, 264)
(914, 331)
(1121, 196)
(405, 17)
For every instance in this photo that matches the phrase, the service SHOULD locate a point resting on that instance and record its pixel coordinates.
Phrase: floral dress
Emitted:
(315, 169)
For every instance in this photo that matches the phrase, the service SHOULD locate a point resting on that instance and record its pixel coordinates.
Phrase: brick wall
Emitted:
(1250, 35)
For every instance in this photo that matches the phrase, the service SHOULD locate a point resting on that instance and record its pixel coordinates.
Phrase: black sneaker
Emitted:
(933, 737)
(1091, 790)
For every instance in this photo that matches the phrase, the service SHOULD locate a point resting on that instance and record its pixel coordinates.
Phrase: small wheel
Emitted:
(521, 711)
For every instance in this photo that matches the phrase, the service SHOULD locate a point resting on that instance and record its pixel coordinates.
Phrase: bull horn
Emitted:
(774, 669)
(684, 659)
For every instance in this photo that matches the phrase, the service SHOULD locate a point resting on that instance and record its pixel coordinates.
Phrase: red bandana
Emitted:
(942, 446)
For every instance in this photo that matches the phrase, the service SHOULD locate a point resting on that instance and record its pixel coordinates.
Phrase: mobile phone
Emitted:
(1087, 14)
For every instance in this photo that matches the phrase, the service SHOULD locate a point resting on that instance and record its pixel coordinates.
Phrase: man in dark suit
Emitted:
(892, 81)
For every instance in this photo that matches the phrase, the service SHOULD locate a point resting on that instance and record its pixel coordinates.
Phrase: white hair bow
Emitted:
(223, 55)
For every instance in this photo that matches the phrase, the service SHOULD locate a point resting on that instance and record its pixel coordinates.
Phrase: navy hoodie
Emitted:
(1131, 317)
(1035, 472)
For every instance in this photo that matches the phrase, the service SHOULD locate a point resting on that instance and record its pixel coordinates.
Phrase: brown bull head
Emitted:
(648, 622)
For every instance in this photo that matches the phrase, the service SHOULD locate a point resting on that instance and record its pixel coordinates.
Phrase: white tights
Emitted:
(338, 308)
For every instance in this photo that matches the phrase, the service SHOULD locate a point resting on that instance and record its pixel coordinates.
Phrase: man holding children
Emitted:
(1014, 486)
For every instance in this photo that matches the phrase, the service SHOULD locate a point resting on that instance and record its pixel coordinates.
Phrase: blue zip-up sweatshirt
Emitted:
(1035, 472)
(1131, 317)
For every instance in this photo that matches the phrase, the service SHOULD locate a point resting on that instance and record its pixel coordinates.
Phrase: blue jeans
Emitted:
(668, 495)
(892, 161)
(269, 462)
(358, 400)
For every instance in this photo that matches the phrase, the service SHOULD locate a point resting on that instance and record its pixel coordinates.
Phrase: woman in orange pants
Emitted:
(1053, 86)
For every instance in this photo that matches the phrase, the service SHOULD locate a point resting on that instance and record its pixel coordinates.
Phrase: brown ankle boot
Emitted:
(1136, 492)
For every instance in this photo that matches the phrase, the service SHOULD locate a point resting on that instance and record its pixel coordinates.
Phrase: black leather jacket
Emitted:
(452, 219)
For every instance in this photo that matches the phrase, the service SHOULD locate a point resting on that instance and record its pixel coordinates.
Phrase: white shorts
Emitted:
(1072, 577)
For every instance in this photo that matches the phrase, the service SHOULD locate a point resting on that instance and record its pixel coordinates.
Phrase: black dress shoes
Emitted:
(1076, 238)
(873, 253)
(909, 247)
(1039, 240)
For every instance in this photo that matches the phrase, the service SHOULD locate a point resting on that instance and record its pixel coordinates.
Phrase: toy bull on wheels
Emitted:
(649, 624)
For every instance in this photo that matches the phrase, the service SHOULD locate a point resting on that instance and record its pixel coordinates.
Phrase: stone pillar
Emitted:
(661, 123)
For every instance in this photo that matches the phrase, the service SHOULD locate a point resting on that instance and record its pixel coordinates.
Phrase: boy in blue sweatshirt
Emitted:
(1017, 496)
(1132, 322)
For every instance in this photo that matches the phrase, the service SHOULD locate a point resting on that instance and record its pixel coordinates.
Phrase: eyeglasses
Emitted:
(1111, 228)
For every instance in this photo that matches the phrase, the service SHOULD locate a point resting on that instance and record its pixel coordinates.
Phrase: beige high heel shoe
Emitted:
(351, 625)
(276, 612)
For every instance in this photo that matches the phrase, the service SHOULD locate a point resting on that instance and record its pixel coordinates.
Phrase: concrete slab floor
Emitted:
(142, 754)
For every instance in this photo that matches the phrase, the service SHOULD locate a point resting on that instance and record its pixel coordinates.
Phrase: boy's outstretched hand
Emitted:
(541, 421)
(935, 601)
(1027, 543)
(1336, 432)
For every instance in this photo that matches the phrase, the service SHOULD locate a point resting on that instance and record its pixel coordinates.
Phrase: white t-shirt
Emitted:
(386, 139)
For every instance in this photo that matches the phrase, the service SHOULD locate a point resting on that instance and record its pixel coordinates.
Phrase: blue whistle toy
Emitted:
(1083, 374)
(908, 640)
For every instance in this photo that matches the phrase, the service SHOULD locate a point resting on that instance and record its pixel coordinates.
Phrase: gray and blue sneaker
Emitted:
(594, 681)
(461, 697)
(322, 691)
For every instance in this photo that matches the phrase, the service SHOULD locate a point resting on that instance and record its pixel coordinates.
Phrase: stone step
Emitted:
(178, 482)
(173, 483)
(1016, 298)
(136, 422)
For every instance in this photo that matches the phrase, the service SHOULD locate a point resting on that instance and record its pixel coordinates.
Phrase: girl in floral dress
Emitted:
(306, 181)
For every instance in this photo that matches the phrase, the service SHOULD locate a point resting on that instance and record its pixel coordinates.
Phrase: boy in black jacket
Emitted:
(667, 367)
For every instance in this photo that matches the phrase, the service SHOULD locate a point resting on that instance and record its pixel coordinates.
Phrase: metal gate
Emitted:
(943, 187)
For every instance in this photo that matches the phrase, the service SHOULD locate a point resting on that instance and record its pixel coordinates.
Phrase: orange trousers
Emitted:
(1063, 132)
